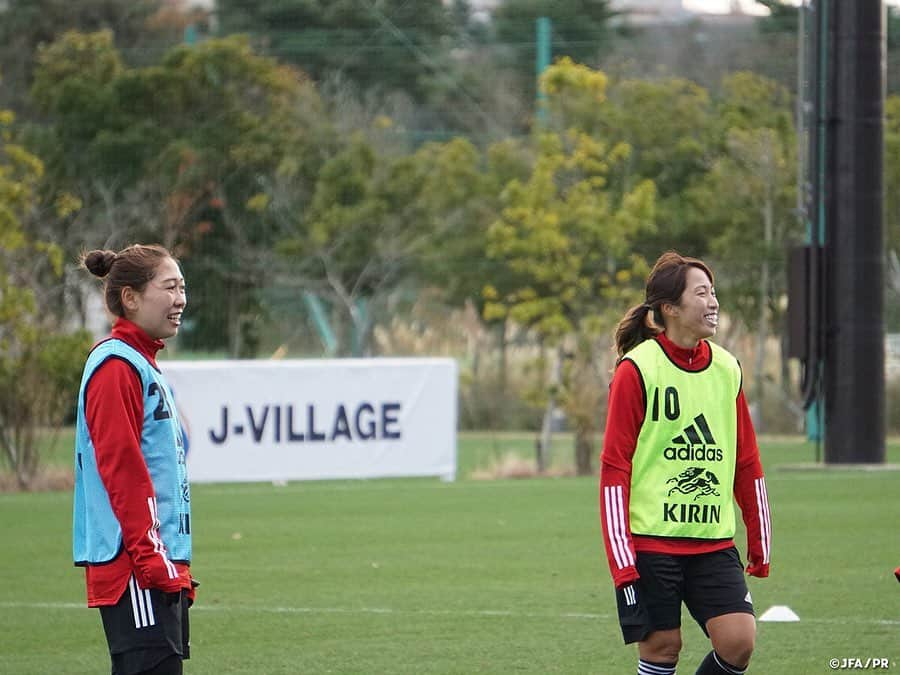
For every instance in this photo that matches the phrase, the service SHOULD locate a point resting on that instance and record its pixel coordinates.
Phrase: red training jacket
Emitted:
(114, 411)
(625, 416)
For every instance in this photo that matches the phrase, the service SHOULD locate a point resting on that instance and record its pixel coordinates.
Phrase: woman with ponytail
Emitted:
(679, 442)
(132, 517)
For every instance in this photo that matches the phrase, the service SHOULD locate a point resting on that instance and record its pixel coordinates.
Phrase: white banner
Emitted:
(296, 420)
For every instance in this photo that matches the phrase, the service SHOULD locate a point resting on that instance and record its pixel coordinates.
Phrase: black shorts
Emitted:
(146, 627)
(709, 584)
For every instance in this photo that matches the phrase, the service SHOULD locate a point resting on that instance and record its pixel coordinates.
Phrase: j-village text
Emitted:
(309, 424)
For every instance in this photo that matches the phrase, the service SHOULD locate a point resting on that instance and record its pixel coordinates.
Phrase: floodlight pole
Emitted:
(853, 381)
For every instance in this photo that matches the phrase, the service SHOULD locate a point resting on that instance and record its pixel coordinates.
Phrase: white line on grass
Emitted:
(502, 613)
(376, 484)
(337, 610)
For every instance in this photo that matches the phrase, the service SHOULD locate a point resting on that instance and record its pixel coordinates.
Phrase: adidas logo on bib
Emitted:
(694, 444)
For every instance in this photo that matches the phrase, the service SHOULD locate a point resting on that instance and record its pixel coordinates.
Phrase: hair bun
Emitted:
(99, 262)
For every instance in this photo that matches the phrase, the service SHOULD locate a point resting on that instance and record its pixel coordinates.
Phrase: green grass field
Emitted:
(419, 576)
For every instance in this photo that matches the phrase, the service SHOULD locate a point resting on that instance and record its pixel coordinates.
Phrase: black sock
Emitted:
(714, 664)
(653, 668)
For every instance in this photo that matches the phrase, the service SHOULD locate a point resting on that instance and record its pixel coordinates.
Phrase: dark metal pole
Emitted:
(854, 340)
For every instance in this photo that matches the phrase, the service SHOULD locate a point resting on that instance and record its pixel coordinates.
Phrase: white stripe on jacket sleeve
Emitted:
(155, 537)
(615, 526)
(765, 524)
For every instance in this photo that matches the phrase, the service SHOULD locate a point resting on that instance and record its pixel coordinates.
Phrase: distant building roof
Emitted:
(652, 11)
(679, 11)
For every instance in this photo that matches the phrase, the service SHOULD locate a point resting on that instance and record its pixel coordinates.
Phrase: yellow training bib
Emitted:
(682, 476)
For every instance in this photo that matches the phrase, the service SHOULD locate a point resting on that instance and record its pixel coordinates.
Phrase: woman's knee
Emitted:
(661, 646)
(734, 639)
(737, 651)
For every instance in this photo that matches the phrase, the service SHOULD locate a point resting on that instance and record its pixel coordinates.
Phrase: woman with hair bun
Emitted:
(132, 516)
(678, 444)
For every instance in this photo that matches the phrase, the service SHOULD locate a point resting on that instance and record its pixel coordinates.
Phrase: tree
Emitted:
(39, 364)
(748, 200)
(783, 17)
(388, 45)
(569, 241)
(580, 30)
(242, 123)
(142, 28)
(75, 83)
(668, 124)
(462, 198)
(181, 153)
(374, 222)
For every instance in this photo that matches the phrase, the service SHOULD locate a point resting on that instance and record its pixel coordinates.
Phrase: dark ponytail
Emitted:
(637, 325)
(665, 284)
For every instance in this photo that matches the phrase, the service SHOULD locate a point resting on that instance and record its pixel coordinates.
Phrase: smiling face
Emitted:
(158, 307)
(696, 316)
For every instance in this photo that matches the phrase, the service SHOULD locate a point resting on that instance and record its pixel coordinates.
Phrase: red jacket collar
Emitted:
(690, 359)
(134, 335)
